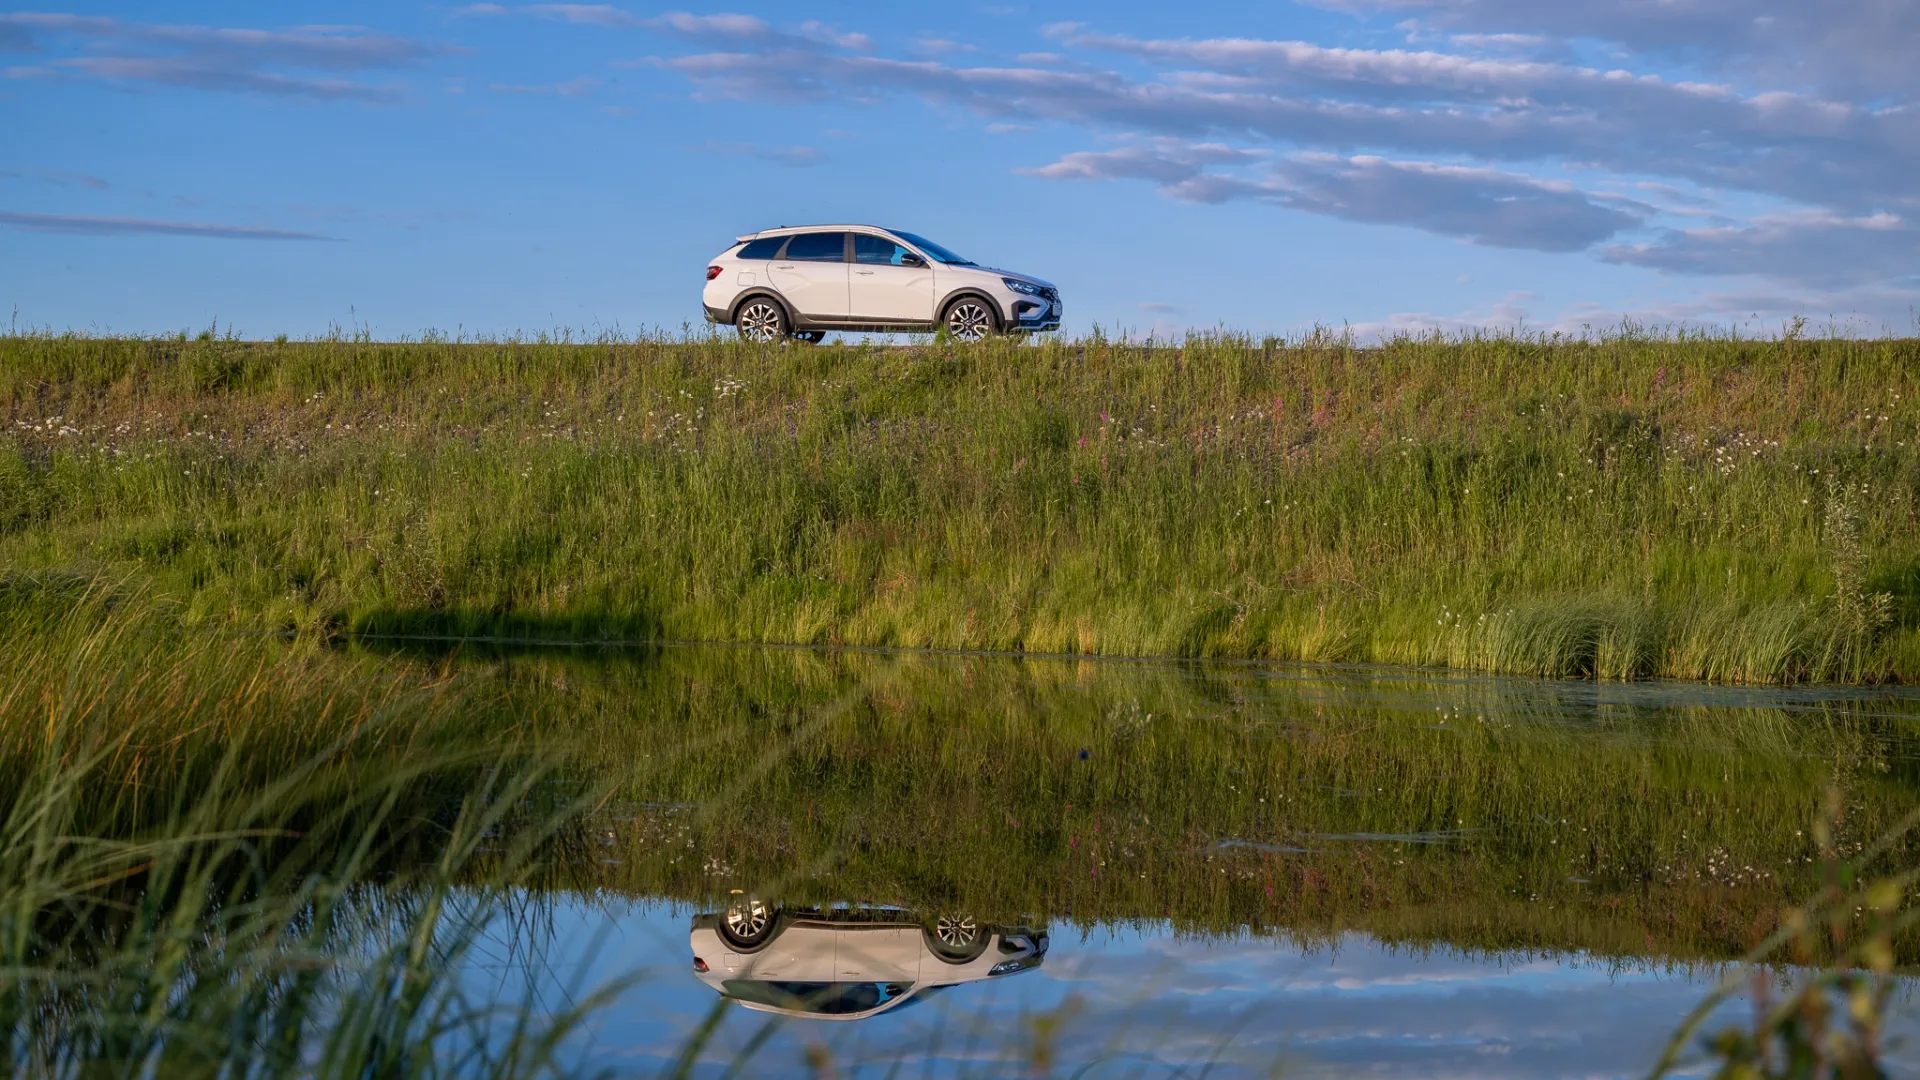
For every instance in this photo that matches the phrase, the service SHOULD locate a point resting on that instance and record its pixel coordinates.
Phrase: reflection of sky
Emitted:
(1142, 1002)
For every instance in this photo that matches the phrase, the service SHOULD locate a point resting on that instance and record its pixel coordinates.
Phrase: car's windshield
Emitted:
(939, 253)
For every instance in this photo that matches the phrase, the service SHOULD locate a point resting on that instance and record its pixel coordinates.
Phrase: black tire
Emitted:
(748, 923)
(811, 337)
(761, 319)
(956, 938)
(970, 318)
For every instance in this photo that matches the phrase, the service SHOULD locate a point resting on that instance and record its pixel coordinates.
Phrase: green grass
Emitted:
(230, 857)
(1700, 508)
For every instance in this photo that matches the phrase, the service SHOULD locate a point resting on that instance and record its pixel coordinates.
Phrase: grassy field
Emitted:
(1621, 508)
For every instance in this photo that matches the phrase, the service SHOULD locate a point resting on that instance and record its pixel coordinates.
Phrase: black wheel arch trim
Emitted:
(1001, 321)
(733, 314)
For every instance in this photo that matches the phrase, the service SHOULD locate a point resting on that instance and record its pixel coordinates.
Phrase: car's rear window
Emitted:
(764, 248)
(818, 247)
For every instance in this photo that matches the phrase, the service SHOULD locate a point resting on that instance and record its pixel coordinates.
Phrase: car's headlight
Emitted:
(1022, 286)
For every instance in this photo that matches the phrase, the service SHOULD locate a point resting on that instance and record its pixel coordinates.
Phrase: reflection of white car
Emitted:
(848, 963)
(806, 281)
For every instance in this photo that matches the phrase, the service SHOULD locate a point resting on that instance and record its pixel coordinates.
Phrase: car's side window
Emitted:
(818, 247)
(764, 248)
(878, 250)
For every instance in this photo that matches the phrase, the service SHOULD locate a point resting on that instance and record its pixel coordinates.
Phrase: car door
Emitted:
(880, 952)
(889, 282)
(812, 274)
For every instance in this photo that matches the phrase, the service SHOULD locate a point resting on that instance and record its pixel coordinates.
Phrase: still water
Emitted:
(963, 865)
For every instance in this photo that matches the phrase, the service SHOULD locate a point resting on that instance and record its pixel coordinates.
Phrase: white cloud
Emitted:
(276, 62)
(1822, 247)
(1481, 205)
(81, 225)
(795, 156)
(1854, 48)
(576, 87)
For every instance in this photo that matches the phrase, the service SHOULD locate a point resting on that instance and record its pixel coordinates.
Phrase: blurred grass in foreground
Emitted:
(1620, 507)
(219, 858)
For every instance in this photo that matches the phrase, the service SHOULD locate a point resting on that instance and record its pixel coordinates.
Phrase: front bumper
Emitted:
(1036, 314)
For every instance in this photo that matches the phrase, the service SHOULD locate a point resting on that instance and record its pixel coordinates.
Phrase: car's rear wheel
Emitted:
(748, 922)
(956, 938)
(761, 320)
(970, 319)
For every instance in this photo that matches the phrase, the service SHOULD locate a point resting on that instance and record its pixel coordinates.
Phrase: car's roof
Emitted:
(785, 229)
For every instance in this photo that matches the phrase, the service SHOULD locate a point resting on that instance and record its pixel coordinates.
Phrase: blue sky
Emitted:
(1390, 164)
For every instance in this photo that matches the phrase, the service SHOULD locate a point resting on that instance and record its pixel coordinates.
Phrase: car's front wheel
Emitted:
(761, 320)
(956, 938)
(970, 319)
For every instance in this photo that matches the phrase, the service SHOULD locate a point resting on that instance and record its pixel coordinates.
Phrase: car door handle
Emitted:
(784, 266)
(864, 273)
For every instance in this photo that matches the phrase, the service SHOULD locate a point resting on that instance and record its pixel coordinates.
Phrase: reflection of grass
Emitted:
(1826, 1022)
(1625, 830)
(188, 832)
(1717, 509)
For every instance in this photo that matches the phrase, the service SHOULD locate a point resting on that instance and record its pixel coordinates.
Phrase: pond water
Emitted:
(913, 864)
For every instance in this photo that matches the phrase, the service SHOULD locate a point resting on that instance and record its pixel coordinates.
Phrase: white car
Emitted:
(804, 281)
(849, 963)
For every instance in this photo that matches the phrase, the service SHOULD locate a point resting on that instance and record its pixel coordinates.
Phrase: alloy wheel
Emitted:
(748, 918)
(969, 320)
(761, 321)
(957, 932)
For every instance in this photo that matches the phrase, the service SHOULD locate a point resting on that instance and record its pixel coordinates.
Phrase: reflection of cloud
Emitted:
(118, 226)
(1144, 997)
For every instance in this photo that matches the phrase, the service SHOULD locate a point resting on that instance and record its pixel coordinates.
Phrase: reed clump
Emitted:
(229, 857)
(1612, 507)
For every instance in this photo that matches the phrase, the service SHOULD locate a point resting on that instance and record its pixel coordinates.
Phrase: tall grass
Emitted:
(1623, 507)
(219, 858)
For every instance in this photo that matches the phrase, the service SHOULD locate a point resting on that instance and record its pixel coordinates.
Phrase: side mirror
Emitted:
(911, 259)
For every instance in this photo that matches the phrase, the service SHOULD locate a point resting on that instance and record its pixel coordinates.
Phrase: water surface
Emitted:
(1361, 872)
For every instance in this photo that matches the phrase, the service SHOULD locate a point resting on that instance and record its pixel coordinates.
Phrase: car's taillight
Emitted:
(712, 272)
(699, 965)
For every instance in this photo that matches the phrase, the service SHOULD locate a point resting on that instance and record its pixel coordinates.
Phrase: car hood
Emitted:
(996, 272)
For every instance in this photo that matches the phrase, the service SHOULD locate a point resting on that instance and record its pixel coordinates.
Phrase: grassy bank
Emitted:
(1712, 509)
